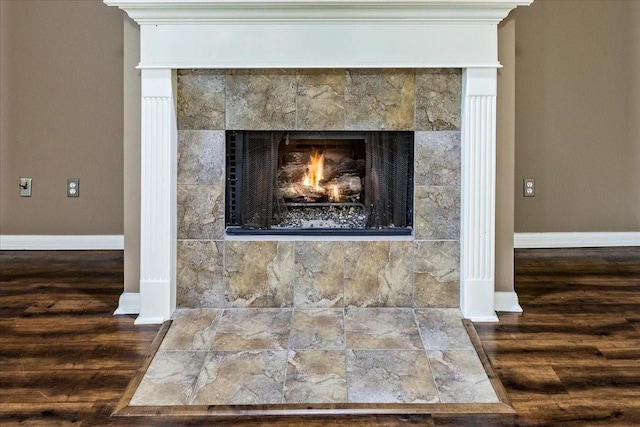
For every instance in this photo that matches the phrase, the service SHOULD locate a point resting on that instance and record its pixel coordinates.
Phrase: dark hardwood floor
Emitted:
(572, 358)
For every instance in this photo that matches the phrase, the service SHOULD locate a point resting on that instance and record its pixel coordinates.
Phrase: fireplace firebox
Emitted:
(325, 183)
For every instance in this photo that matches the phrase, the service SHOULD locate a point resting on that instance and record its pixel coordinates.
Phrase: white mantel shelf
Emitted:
(177, 34)
(318, 34)
(175, 11)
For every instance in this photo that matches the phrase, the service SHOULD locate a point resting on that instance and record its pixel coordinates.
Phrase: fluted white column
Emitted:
(477, 251)
(158, 197)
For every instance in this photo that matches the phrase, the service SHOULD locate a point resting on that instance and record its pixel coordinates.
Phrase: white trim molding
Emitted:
(158, 202)
(507, 302)
(129, 303)
(317, 33)
(60, 243)
(477, 240)
(575, 240)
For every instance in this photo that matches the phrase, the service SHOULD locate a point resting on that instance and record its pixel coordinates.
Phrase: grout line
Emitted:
(217, 320)
(296, 77)
(195, 383)
(426, 354)
(286, 359)
(345, 352)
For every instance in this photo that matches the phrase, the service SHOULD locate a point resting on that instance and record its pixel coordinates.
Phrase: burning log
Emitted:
(334, 169)
(299, 192)
(292, 172)
(294, 157)
(344, 186)
(349, 185)
(320, 179)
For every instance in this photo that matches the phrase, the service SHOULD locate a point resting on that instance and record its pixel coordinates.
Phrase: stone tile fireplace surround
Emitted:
(422, 65)
(215, 271)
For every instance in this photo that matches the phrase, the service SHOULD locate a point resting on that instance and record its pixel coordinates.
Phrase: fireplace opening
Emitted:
(331, 182)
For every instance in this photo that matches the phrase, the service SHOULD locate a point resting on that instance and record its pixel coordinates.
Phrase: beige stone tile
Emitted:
(201, 212)
(201, 158)
(261, 99)
(390, 376)
(440, 258)
(253, 329)
(378, 274)
(249, 361)
(442, 329)
(319, 278)
(430, 293)
(170, 379)
(381, 328)
(379, 99)
(317, 328)
(259, 274)
(437, 274)
(364, 261)
(316, 376)
(437, 158)
(241, 378)
(200, 276)
(460, 377)
(191, 329)
(320, 99)
(438, 98)
(201, 99)
(437, 212)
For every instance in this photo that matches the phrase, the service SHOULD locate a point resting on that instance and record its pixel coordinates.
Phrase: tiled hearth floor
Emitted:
(315, 356)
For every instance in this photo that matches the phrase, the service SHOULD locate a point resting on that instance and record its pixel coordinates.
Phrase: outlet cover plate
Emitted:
(529, 187)
(73, 187)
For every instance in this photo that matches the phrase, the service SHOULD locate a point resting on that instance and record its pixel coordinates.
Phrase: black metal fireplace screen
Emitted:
(340, 183)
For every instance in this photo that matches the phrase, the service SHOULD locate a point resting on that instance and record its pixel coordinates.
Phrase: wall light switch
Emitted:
(25, 187)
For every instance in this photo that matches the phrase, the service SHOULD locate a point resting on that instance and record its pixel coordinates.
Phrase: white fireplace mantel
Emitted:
(319, 34)
(178, 34)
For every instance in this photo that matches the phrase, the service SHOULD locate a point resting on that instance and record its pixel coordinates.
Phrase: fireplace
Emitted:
(319, 182)
(243, 41)
(362, 210)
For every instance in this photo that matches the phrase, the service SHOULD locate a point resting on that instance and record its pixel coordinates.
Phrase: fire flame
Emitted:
(316, 170)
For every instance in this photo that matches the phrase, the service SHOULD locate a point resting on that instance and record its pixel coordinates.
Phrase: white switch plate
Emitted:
(25, 187)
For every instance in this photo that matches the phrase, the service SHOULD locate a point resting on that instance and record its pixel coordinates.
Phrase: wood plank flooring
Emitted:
(572, 358)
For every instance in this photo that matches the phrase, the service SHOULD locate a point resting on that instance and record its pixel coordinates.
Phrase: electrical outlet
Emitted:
(25, 187)
(529, 187)
(73, 187)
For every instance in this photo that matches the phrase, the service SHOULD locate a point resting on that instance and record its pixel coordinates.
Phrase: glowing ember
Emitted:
(336, 193)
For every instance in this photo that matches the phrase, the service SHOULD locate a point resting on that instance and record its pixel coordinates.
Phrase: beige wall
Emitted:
(132, 106)
(61, 116)
(577, 109)
(505, 167)
(578, 115)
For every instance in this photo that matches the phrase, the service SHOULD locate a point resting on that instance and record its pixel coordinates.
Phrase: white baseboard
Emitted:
(507, 301)
(141, 320)
(575, 240)
(60, 243)
(129, 303)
